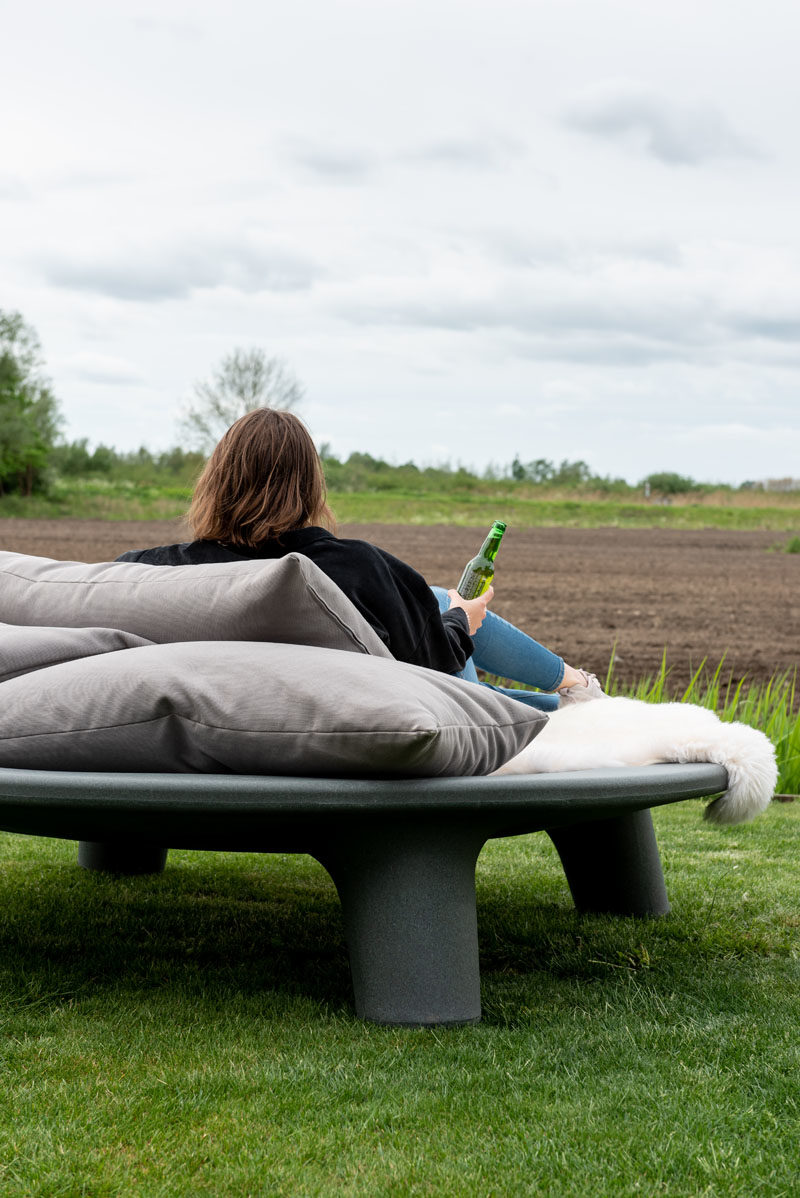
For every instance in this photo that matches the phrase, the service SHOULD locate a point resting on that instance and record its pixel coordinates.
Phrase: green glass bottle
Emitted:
(478, 573)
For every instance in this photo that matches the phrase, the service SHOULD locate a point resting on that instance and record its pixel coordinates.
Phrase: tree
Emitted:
(244, 380)
(667, 482)
(572, 474)
(542, 471)
(29, 412)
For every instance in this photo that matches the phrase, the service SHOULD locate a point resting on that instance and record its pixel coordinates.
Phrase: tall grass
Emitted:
(773, 706)
(770, 706)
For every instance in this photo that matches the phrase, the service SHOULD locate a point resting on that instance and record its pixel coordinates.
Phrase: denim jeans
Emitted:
(502, 649)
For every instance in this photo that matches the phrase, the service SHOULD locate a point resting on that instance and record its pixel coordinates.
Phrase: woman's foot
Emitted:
(586, 687)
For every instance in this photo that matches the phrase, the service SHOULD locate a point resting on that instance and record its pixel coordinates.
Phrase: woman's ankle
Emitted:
(572, 677)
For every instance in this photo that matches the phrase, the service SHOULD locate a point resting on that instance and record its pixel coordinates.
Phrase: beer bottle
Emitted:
(479, 573)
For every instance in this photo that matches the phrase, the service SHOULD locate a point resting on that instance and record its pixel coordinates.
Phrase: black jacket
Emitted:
(394, 599)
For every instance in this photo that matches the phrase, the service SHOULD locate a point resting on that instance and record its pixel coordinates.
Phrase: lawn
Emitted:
(192, 1033)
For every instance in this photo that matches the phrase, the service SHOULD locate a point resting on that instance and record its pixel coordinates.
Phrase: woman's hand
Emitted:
(475, 608)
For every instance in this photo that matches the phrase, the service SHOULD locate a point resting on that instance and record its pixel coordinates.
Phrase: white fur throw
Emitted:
(619, 732)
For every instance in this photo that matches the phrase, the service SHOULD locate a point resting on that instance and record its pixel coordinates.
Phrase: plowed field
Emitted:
(698, 594)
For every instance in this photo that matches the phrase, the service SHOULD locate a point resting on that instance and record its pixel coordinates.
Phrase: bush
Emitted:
(668, 483)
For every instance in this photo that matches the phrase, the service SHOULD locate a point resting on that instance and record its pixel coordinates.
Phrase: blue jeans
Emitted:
(502, 649)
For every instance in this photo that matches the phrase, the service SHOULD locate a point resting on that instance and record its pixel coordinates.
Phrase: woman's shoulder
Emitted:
(369, 567)
(185, 553)
(354, 548)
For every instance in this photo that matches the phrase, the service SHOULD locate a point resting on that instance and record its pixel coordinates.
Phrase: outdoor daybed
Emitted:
(250, 707)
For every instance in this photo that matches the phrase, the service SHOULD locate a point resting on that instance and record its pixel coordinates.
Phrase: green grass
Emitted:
(353, 508)
(771, 706)
(113, 499)
(192, 1034)
(100, 499)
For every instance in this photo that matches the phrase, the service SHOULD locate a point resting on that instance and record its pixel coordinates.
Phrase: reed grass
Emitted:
(770, 706)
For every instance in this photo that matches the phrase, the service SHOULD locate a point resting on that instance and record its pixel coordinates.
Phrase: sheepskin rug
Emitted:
(615, 732)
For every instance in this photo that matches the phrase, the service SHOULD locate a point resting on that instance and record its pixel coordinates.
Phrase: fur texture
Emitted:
(619, 732)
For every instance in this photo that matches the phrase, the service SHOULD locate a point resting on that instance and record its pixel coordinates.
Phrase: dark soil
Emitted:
(698, 594)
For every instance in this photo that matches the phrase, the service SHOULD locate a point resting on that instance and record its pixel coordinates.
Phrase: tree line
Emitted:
(30, 417)
(358, 472)
(33, 453)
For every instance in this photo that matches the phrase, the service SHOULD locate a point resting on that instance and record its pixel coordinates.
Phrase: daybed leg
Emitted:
(408, 898)
(612, 865)
(121, 858)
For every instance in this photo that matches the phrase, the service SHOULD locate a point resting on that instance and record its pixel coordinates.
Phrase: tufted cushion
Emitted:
(25, 649)
(288, 600)
(257, 708)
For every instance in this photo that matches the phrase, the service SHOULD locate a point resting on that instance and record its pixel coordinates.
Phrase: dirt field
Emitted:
(704, 593)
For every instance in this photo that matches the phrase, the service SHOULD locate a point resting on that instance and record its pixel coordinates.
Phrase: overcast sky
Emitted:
(557, 228)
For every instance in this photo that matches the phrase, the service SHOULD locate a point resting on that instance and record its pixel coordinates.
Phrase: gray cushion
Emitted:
(288, 600)
(25, 649)
(257, 708)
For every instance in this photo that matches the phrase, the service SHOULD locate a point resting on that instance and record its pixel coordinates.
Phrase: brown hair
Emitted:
(263, 479)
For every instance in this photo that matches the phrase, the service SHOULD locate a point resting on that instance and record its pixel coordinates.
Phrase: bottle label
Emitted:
(472, 584)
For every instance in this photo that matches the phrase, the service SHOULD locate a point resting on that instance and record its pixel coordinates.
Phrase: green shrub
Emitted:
(668, 483)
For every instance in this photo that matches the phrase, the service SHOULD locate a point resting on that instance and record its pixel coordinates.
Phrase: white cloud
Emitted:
(676, 134)
(176, 268)
(332, 164)
(482, 153)
(14, 189)
(601, 305)
(99, 368)
(388, 196)
(336, 162)
(181, 30)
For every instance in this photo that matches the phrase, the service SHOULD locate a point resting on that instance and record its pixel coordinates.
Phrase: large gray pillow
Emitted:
(25, 649)
(258, 708)
(288, 599)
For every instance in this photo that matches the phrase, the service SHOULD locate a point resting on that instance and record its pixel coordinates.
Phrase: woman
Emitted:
(262, 495)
